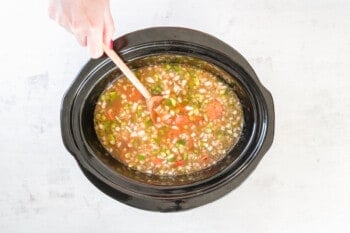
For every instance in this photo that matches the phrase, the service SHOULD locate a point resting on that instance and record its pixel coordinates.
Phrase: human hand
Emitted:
(90, 21)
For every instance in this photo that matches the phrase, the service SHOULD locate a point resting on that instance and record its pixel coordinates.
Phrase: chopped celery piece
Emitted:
(167, 102)
(176, 67)
(171, 158)
(185, 157)
(156, 90)
(181, 142)
(171, 102)
(107, 126)
(162, 131)
(148, 123)
(111, 139)
(113, 95)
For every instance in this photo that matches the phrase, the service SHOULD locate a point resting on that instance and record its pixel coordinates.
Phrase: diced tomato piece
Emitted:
(182, 109)
(179, 163)
(214, 110)
(174, 133)
(110, 114)
(206, 159)
(190, 144)
(135, 95)
(157, 160)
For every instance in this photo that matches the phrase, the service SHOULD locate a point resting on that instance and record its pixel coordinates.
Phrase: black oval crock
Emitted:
(172, 193)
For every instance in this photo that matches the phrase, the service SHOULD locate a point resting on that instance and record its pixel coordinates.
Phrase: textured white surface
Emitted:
(300, 51)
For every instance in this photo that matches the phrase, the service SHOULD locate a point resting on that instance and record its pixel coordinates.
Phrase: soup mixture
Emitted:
(199, 120)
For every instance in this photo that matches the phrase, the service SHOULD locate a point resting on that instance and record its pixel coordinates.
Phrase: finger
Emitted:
(108, 29)
(63, 22)
(82, 39)
(94, 42)
(80, 31)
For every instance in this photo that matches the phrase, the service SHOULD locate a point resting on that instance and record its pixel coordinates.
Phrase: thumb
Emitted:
(94, 43)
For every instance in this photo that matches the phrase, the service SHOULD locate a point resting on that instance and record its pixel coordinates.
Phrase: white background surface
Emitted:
(300, 51)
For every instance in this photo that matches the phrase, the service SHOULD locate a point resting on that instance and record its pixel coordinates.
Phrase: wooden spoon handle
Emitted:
(127, 72)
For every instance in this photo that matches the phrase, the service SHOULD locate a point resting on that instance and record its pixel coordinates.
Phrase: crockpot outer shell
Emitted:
(162, 201)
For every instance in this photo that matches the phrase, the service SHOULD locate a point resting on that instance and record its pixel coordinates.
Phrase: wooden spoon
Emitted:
(151, 101)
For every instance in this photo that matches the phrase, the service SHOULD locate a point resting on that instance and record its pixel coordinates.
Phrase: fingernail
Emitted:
(111, 44)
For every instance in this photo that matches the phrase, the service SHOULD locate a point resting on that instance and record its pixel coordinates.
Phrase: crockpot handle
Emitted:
(66, 132)
(270, 131)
